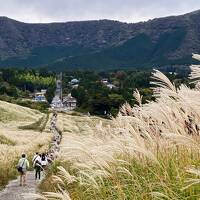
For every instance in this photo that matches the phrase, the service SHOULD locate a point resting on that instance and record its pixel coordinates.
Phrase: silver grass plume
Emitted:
(196, 56)
(62, 195)
(126, 110)
(138, 97)
(195, 70)
(192, 181)
(161, 82)
(195, 73)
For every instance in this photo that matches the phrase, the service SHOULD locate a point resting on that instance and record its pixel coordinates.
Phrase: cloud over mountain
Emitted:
(73, 10)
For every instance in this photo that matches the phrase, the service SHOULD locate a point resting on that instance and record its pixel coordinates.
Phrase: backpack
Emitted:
(35, 159)
(20, 168)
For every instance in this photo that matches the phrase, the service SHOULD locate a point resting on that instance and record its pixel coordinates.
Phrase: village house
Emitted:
(69, 102)
(40, 96)
(74, 81)
(56, 102)
(104, 81)
(111, 86)
(107, 83)
(75, 86)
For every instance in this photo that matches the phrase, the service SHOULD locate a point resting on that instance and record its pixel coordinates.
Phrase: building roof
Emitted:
(111, 85)
(56, 99)
(69, 98)
(74, 80)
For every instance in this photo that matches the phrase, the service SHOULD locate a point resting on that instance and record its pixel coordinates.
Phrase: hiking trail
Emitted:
(14, 191)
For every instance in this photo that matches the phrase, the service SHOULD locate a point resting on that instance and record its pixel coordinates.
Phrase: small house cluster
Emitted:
(74, 83)
(56, 102)
(40, 96)
(107, 83)
(68, 103)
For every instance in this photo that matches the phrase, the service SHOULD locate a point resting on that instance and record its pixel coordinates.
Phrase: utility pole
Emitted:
(61, 91)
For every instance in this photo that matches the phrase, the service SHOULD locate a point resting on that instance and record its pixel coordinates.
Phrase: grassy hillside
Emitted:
(12, 113)
(15, 141)
(149, 151)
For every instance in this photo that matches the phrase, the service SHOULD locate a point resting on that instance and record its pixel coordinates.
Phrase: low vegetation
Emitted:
(38, 125)
(149, 151)
(12, 112)
(15, 141)
(7, 141)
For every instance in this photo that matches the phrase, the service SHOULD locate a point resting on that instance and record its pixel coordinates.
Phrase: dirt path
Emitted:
(13, 190)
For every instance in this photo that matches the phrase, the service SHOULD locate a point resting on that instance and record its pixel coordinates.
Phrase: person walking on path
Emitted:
(22, 167)
(37, 165)
(38, 169)
(36, 157)
(44, 161)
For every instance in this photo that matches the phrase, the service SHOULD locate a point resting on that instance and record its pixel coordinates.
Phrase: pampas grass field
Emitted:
(149, 151)
(15, 141)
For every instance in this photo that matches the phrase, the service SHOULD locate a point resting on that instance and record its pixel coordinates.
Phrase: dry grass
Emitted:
(150, 151)
(12, 112)
(14, 141)
(38, 125)
(81, 124)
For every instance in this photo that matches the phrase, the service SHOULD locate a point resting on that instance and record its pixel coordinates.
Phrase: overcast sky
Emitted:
(42, 11)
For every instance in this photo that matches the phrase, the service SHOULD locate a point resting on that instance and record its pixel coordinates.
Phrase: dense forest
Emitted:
(102, 93)
(99, 93)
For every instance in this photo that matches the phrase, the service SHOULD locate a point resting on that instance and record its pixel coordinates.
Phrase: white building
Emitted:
(107, 83)
(69, 102)
(110, 86)
(104, 81)
(75, 86)
(56, 102)
(74, 81)
(40, 96)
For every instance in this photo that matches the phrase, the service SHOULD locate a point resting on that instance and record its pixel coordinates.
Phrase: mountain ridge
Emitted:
(106, 19)
(100, 43)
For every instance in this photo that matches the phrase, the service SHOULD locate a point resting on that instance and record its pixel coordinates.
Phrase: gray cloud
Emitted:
(73, 10)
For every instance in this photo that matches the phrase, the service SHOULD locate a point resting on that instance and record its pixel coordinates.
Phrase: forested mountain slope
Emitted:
(101, 44)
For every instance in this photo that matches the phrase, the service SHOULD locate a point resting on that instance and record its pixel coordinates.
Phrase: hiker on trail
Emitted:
(36, 157)
(38, 169)
(50, 158)
(44, 161)
(37, 165)
(22, 167)
(54, 114)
